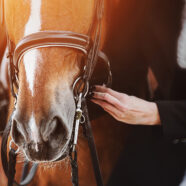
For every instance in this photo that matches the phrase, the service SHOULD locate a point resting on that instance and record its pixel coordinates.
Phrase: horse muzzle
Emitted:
(47, 142)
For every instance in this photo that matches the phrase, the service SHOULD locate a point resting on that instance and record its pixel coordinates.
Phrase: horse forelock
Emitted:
(29, 16)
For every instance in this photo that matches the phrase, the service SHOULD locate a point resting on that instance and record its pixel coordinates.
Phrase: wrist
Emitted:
(154, 117)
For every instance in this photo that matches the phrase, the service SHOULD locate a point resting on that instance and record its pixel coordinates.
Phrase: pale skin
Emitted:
(125, 108)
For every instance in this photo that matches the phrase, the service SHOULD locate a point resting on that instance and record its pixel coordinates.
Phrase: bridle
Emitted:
(89, 45)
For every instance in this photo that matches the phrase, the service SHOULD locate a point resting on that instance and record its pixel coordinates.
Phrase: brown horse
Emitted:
(45, 108)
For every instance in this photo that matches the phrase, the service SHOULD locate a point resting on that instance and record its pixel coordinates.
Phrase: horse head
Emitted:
(42, 120)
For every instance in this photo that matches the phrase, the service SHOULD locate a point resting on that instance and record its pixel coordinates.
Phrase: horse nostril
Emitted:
(16, 134)
(56, 133)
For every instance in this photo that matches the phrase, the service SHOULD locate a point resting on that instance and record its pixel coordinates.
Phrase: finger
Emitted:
(111, 113)
(108, 107)
(104, 89)
(110, 99)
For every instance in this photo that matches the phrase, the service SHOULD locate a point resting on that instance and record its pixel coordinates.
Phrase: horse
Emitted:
(43, 118)
(46, 76)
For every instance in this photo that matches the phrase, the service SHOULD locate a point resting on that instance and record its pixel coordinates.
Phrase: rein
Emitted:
(87, 44)
(9, 166)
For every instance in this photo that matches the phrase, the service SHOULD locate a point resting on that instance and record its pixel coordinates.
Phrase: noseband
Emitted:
(89, 45)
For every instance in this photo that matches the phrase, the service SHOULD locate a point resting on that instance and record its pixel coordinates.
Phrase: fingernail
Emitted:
(92, 88)
(90, 95)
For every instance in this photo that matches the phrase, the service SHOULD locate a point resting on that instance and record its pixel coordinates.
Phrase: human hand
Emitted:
(125, 108)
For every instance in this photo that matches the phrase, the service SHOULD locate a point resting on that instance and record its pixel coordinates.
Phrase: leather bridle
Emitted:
(89, 45)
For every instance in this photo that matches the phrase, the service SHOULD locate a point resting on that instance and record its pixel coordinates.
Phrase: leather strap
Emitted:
(42, 39)
(91, 143)
(7, 165)
(105, 59)
(74, 168)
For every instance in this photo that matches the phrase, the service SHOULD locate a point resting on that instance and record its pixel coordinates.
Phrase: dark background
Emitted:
(144, 34)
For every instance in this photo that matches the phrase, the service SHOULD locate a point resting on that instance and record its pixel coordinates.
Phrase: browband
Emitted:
(42, 39)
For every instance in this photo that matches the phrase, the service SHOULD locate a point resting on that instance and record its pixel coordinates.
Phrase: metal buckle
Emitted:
(77, 121)
(84, 90)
